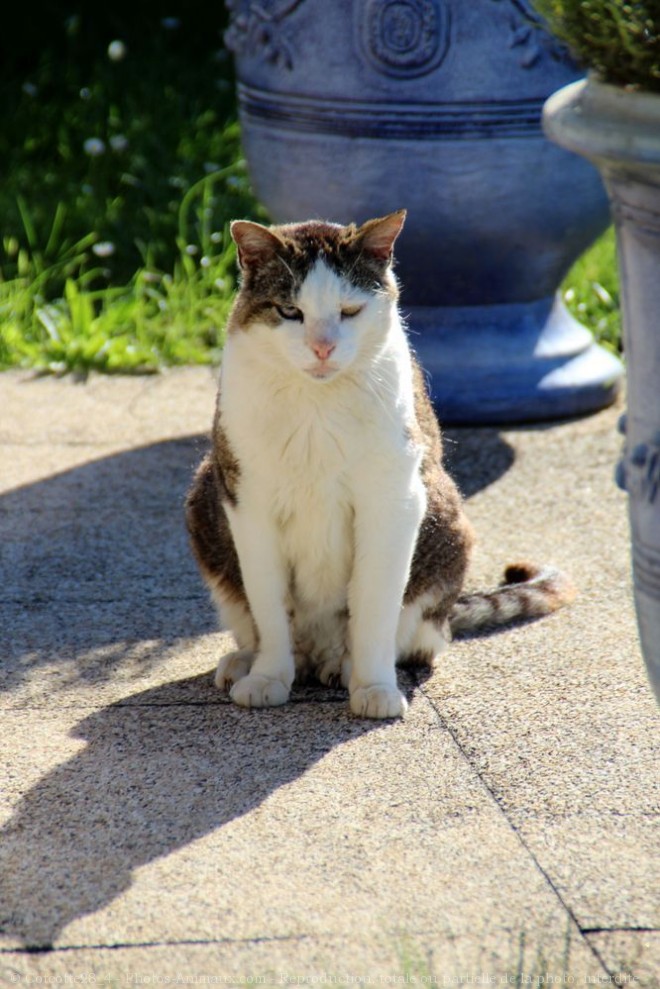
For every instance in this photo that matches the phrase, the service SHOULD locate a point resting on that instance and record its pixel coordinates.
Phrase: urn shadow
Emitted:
(476, 458)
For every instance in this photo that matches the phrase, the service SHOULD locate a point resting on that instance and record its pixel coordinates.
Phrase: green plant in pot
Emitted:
(613, 118)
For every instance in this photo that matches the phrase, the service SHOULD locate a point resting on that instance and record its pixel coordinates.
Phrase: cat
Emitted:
(332, 539)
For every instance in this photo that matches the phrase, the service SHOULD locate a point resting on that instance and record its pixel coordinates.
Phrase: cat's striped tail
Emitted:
(528, 591)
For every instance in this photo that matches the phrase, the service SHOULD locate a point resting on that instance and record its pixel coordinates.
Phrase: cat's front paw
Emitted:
(233, 667)
(378, 701)
(259, 691)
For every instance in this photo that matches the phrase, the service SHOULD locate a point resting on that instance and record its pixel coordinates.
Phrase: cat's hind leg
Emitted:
(321, 645)
(422, 634)
(336, 671)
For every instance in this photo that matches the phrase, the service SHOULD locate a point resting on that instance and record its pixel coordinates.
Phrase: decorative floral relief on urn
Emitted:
(255, 29)
(405, 38)
(638, 471)
(528, 35)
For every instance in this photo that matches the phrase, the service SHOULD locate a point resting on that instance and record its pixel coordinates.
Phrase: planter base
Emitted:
(511, 363)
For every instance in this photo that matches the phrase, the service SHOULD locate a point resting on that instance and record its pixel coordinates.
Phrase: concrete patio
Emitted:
(506, 832)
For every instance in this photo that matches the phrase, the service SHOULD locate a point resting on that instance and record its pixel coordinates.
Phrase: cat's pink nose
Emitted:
(323, 349)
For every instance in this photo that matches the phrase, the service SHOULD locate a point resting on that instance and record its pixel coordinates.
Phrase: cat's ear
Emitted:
(377, 237)
(255, 244)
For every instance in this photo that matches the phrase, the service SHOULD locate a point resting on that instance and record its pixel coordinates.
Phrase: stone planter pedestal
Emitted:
(353, 108)
(620, 132)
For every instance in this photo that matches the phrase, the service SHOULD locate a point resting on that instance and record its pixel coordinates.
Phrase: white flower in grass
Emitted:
(216, 237)
(192, 250)
(94, 147)
(171, 23)
(117, 50)
(85, 93)
(602, 294)
(104, 249)
(118, 142)
(205, 262)
(30, 89)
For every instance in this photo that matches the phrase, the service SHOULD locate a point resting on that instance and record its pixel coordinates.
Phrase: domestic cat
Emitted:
(331, 538)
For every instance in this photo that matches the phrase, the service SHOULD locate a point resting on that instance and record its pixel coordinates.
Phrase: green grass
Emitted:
(56, 319)
(120, 177)
(591, 292)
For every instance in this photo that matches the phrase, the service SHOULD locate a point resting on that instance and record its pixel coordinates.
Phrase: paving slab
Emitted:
(581, 783)
(381, 829)
(506, 832)
(635, 954)
(105, 411)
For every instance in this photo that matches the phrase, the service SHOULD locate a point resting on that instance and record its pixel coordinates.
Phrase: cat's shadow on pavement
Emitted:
(154, 776)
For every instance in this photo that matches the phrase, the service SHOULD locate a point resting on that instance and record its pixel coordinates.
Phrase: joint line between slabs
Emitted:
(444, 723)
(48, 949)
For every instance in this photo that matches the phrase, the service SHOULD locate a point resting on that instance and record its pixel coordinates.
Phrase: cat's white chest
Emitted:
(312, 458)
(309, 461)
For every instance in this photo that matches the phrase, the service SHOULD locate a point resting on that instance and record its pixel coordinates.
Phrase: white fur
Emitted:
(330, 498)
(417, 636)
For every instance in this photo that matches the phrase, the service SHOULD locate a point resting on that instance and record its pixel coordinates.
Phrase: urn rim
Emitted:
(606, 123)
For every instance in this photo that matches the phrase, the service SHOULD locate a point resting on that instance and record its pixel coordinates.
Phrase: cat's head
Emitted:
(319, 295)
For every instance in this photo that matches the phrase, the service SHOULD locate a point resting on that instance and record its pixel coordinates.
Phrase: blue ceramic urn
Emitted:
(353, 108)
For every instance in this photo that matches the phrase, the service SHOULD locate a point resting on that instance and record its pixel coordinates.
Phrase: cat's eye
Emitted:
(290, 312)
(347, 312)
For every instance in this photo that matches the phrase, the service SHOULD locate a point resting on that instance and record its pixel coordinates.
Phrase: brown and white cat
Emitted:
(330, 536)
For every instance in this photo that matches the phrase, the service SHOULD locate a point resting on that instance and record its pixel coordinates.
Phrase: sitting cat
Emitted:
(329, 534)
